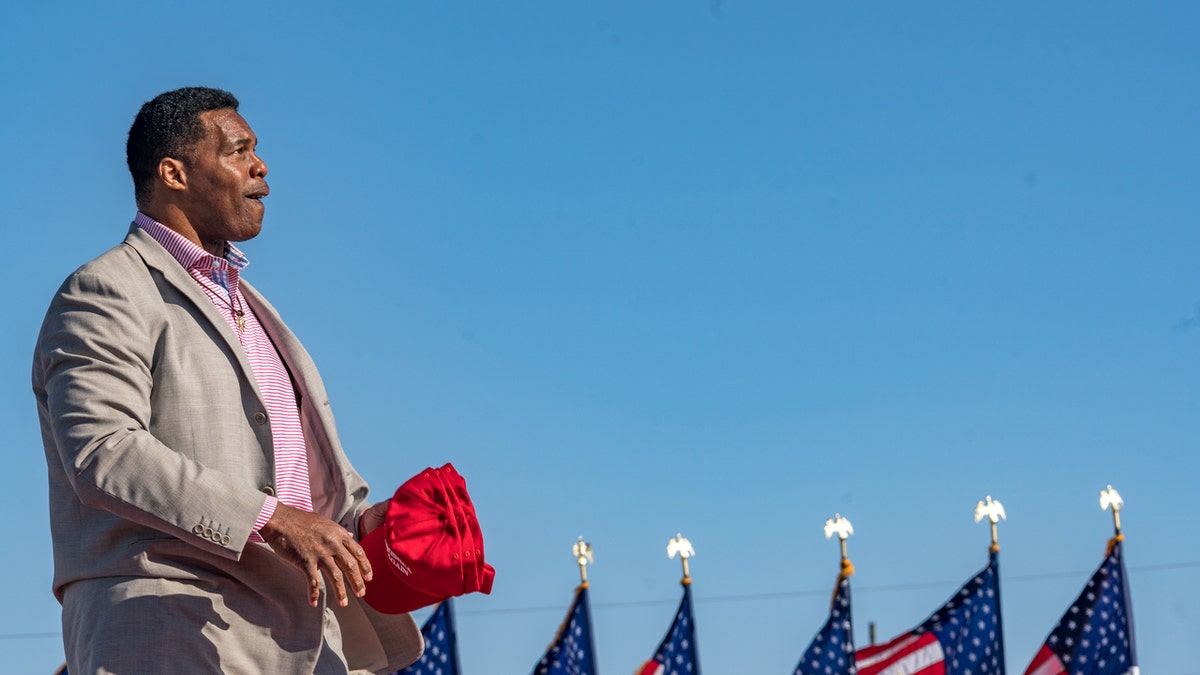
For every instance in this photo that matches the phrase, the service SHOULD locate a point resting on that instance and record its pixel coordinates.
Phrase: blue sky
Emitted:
(718, 268)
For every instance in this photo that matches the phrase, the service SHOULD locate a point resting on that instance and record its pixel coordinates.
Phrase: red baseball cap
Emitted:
(429, 547)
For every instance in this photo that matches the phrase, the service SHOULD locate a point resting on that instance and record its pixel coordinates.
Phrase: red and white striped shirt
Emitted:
(218, 278)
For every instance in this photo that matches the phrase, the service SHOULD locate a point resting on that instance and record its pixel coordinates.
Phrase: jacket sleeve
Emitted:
(94, 380)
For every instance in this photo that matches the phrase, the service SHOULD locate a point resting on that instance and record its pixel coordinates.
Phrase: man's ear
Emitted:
(172, 173)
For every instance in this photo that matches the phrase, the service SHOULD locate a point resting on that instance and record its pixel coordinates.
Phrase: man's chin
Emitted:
(250, 231)
(252, 224)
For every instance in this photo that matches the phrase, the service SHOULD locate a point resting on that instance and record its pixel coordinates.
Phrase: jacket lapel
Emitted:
(325, 459)
(157, 257)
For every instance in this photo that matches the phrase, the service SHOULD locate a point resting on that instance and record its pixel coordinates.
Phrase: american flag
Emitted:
(677, 653)
(964, 637)
(1095, 636)
(441, 645)
(572, 652)
(832, 650)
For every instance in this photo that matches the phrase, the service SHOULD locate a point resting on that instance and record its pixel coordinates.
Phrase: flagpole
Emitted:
(677, 653)
(683, 547)
(1111, 499)
(843, 529)
(993, 510)
(573, 649)
(583, 557)
(1103, 608)
(831, 651)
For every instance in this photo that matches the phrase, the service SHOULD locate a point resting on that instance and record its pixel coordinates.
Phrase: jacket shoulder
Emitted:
(120, 258)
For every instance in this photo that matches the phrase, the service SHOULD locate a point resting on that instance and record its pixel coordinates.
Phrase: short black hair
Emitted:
(168, 125)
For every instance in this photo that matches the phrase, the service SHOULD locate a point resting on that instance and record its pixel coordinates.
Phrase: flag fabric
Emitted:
(441, 645)
(572, 652)
(832, 651)
(1095, 636)
(964, 637)
(677, 654)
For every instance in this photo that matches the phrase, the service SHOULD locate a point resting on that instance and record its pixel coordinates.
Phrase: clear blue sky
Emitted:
(720, 268)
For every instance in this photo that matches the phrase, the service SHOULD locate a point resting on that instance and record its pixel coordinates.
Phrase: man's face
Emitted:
(225, 181)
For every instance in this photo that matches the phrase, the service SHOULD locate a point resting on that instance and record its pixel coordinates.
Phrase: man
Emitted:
(203, 515)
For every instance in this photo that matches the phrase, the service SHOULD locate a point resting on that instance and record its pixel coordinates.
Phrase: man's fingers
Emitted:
(351, 565)
(348, 570)
(332, 565)
(314, 583)
(360, 559)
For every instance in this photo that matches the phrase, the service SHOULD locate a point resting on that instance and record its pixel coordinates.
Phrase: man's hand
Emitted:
(314, 545)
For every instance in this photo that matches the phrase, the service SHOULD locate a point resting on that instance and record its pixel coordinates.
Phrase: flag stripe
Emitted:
(908, 655)
(1046, 663)
(888, 651)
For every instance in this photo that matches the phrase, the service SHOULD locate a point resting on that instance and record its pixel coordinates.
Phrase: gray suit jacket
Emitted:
(159, 456)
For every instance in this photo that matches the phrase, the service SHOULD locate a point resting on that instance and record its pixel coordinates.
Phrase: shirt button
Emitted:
(267, 490)
(260, 417)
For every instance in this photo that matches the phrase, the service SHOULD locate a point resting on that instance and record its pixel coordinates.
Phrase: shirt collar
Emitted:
(188, 253)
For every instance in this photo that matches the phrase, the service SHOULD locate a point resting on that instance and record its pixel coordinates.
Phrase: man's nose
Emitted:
(259, 168)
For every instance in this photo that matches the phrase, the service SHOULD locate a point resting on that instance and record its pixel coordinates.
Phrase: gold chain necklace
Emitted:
(239, 314)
